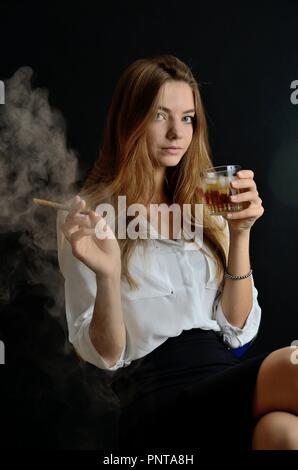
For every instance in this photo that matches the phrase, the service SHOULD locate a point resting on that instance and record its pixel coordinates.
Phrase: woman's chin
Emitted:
(170, 160)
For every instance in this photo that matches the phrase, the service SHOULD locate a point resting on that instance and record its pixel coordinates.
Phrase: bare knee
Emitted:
(277, 430)
(277, 383)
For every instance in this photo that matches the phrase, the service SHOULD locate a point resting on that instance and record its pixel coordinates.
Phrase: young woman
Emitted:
(162, 314)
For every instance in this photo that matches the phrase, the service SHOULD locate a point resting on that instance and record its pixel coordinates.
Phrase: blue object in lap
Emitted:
(238, 352)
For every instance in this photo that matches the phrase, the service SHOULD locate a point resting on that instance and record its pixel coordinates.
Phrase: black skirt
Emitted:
(189, 393)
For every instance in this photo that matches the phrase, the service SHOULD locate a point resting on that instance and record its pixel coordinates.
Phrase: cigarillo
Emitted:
(55, 205)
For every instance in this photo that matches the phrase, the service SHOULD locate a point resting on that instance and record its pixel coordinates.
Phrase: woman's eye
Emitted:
(189, 119)
(159, 116)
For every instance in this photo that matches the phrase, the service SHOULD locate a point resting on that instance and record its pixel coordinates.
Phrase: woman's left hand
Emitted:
(244, 220)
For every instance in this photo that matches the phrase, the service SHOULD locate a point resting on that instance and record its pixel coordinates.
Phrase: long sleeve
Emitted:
(152, 313)
(234, 336)
(80, 294)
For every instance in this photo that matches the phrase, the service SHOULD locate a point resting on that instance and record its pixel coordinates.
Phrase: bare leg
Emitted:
(277, 430)
(277, 384)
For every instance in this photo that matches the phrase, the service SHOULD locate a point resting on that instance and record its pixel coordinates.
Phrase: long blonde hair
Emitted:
(124, 166)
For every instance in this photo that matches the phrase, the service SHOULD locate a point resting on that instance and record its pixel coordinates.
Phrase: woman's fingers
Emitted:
(252, 211)
(76, 207)
(75, 237)
(78, 222)
(250, 196)
(243, 183)
(245, 174)
(77, 225)
(81, 232)
(74, 219)
(68, 228)
(81, 220)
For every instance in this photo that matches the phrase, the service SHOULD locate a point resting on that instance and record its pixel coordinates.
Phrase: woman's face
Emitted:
(170, 134)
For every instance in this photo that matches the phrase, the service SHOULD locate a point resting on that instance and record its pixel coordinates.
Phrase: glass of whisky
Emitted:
(217, 189)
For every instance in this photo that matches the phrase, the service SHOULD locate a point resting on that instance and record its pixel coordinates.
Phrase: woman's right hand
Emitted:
(101, 255)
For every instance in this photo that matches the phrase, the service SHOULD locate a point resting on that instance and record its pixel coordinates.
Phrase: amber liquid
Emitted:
(217, 198)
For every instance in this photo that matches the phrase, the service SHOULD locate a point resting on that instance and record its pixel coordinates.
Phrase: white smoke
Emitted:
(34, 162)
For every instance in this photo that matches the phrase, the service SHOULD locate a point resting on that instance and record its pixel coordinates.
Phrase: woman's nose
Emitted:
(175, 130)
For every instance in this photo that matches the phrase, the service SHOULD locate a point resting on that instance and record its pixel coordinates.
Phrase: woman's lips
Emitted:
(172, 150)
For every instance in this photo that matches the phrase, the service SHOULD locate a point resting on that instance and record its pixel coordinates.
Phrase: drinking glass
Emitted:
(216, 189)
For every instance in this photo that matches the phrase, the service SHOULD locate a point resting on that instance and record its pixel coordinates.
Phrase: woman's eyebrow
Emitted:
(167, 110)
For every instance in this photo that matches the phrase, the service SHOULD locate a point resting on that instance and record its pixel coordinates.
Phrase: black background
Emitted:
(245, 57)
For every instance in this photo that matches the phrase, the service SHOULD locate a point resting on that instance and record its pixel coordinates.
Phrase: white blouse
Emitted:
(178, 291)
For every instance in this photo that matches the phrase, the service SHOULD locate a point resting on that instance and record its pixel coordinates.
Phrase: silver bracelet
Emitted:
(237, 278)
